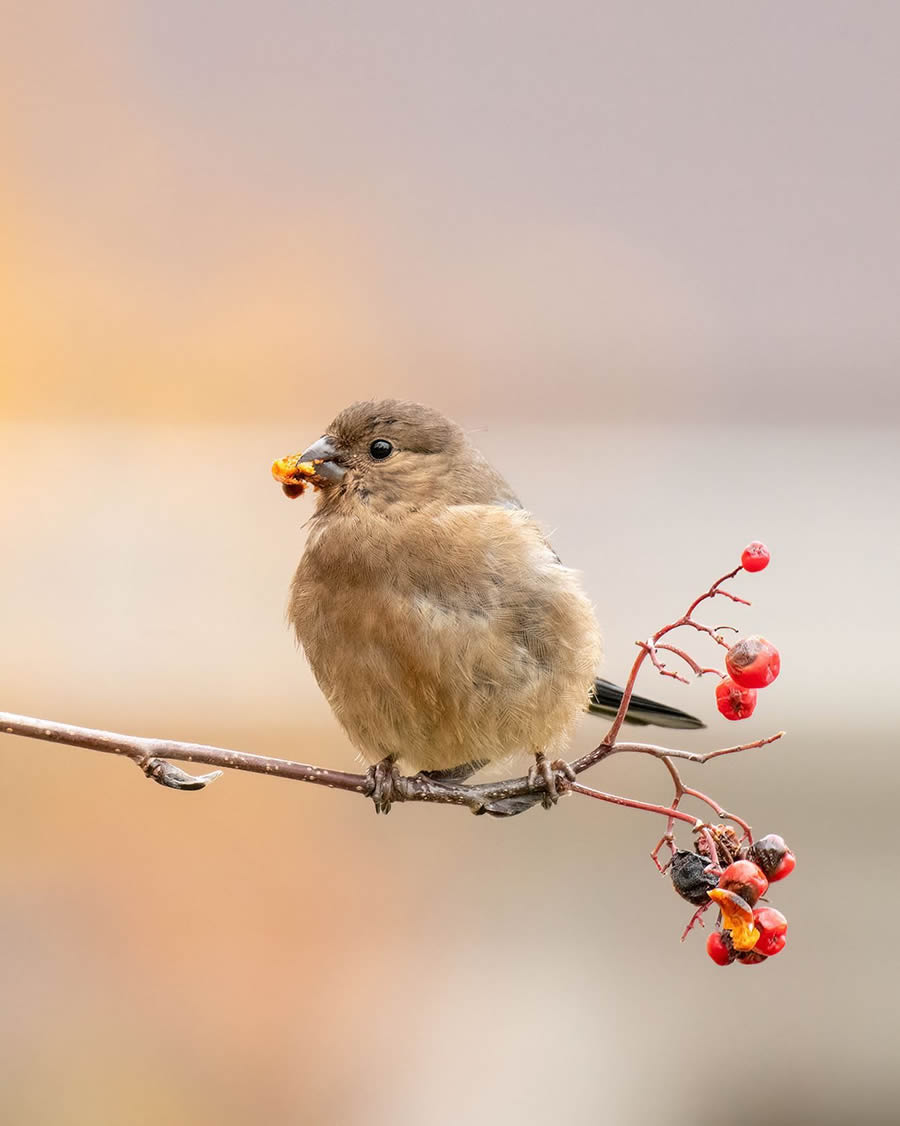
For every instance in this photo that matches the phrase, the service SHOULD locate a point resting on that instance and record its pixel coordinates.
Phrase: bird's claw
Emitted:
(551, 774)
(382, 777)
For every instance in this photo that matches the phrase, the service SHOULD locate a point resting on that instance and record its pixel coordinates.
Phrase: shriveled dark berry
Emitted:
(728, 845)
(689, 878)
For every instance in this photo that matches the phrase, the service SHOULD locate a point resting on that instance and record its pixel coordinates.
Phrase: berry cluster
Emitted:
(733, 872)
(753, 662)
(748, 931)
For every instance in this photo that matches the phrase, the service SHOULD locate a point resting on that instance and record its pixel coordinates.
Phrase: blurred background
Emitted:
(661, 244)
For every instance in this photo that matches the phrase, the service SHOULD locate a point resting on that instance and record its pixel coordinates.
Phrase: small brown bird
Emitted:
(440, 624)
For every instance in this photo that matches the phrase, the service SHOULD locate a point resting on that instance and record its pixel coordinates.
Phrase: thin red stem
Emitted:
(714, 805)
(698, 670)
(633, 803)
(711, 593)
(658, 664)
(734, 597)
(697, 917)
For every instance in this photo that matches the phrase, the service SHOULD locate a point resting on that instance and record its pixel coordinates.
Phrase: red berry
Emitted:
(733, 701)
(753, 662)
(755, 557)
(746, 879)
(772, 927)
(719, 948)
(785, 866)
(773, 856)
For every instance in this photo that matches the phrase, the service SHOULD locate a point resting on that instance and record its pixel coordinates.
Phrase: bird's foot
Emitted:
(383, 776)
(552, 774)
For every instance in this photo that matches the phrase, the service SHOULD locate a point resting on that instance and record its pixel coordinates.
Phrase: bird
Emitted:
(438, 621)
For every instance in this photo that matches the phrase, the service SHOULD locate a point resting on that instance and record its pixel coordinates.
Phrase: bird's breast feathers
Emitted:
(445, 635)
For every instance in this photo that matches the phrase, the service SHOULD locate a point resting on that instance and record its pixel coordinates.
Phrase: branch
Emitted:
(150, 756)
(146, 753)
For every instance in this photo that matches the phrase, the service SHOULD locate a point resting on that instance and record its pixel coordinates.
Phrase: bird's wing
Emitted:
(604, 697)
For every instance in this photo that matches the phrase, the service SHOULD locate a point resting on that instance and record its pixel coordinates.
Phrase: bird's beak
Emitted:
(315, 466)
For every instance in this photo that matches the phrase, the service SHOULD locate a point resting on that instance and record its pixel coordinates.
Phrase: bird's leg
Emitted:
(548, 772)
(382, 776)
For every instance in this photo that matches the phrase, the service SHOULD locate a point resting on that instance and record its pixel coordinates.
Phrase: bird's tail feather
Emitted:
(605, 697)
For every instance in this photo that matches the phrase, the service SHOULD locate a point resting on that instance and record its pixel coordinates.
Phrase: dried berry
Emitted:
(733, 701)
(728, 845)
(746, 879)
(755, 556)
(753, 662)
(689, 878)
(773, 856)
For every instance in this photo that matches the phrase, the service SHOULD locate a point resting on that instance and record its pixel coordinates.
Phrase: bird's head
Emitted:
(382, 453)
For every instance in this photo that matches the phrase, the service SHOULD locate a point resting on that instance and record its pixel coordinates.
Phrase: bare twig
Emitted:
(698, 670)
(146, 753)
(697, 917)
(649, 807)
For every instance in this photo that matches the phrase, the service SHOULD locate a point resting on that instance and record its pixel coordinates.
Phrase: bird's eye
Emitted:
(380, 449)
